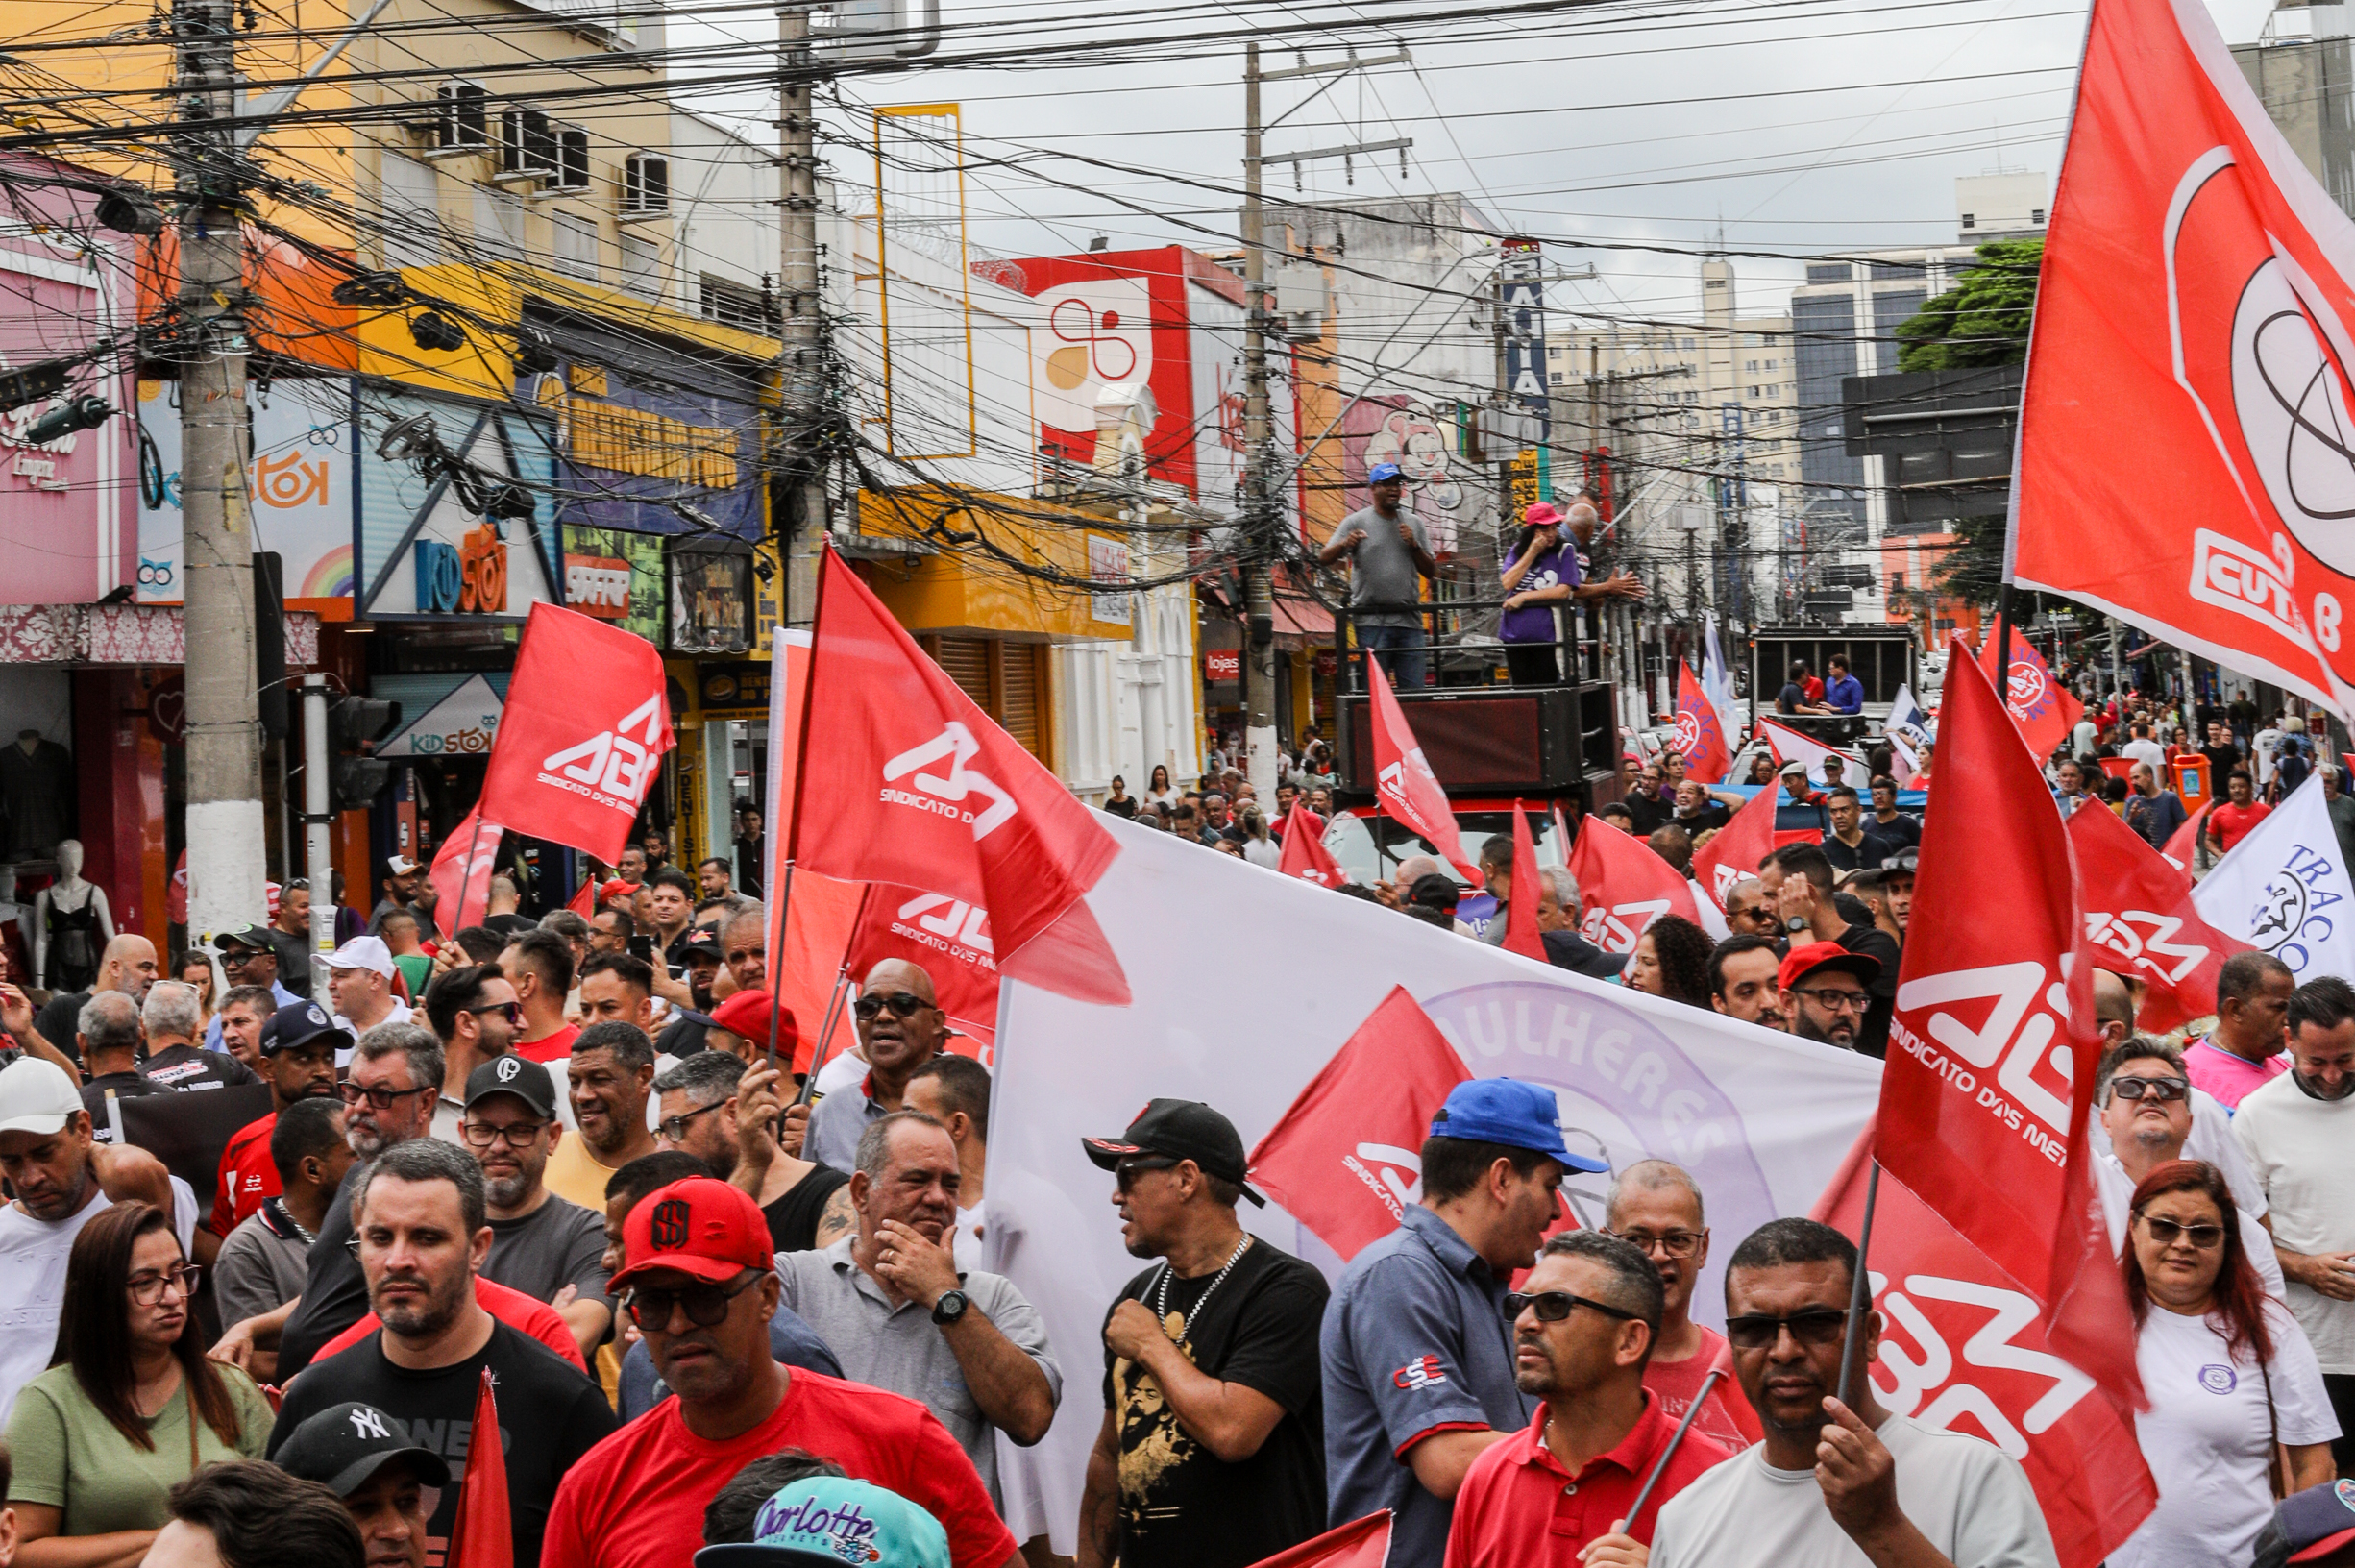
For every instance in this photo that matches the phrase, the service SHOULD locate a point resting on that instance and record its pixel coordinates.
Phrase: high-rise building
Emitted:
(2303, 68)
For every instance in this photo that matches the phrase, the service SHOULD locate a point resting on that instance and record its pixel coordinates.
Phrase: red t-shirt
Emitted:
(2232, 822)
(556, 1047)
(1726, 1416)
(248, 1176)
(525, 1315)
(636, 1499)
(1520, 1508)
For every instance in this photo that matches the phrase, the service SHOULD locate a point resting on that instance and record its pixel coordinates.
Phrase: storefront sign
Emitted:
(461, 725)
(66, 529)
(1327, 663)
(616, 577)
(429, 544)
(597, 585)
(1222, 665)
(299, 482)
(654, 454)
(733, 690)
(1108, 562)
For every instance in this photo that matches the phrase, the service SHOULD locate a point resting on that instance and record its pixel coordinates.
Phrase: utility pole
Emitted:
(228, 862)
(801, 304)
(318, 848)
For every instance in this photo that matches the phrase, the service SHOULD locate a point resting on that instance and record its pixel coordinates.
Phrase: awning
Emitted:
(462, 724)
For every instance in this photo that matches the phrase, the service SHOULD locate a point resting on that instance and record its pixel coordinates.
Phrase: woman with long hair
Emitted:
(1260, 846)
(1762, 768)
(196, 969)
(1672, 960)
(1157, 792)
(128, 1408)
(2228, 1372)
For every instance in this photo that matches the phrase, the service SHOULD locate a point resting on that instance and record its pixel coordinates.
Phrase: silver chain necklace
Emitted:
(1161, 1303)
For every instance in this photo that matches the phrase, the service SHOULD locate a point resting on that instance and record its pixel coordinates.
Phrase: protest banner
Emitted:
(2285, 889)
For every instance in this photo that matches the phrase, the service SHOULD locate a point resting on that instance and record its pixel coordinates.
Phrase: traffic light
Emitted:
(354, 781)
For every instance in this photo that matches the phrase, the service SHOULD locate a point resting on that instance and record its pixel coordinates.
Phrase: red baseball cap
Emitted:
(747, 1013)
(701, 1227)
(617, 889)
(1812, 956)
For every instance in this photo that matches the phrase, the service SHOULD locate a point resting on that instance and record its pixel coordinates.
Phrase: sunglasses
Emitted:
(1553, 1306)
(1125, 1173)
(1817, 1326)
(513, 1012)
(2125, 1087)
(2165, 1231)
(705, 1304)
(904, 1004)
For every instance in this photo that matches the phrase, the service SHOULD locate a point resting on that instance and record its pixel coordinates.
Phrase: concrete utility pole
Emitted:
(318, 849)
(802, 304)
(228, 863)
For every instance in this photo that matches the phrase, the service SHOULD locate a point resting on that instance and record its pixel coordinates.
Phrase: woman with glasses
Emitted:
(130, 1406)
(2229, 1374)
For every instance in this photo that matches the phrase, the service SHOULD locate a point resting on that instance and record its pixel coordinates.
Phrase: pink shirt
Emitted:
(2229, 1077)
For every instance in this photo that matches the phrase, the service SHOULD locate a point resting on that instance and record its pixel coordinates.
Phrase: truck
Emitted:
(1883, 657)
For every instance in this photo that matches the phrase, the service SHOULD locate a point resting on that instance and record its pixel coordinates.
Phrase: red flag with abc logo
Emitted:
(1305, 855)
(581, 739)
(1404, 785)
(1624, 885)
(1700, 737)
(948, 939)
(2045, 712)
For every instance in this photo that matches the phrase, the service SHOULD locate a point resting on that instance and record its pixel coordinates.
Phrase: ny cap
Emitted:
(830, 1521)
(1511, 1111)
(1380, 472)
(299, 1025)
(1180, 1130)
(526, 1080)
(363, 952)
(700, 1227)
(36, 1097)
(1808, 957)
(343, 1445)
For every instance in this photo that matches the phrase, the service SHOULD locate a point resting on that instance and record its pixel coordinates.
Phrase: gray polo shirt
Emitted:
(1384, 584)
(261, 1266)
(900, 1349)
(1414, 1344)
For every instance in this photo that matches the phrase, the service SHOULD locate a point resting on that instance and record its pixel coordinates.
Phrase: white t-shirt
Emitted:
(2087, 735)
(1967, 1496)
(2118, 1193)
(2142, 748)
(2206, 1435)
(2211, 1140)
(2265, 746)
(2300, 1149)
(32, 1254)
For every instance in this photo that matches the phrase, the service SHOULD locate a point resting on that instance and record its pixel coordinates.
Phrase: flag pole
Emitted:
(834, 1005)
(474, 847)
(1859, 1297)
(776, 988)
(1668, 1450)
(793, 831)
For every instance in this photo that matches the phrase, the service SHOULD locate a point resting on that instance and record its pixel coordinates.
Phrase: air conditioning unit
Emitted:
(459, 120)
(528, 147)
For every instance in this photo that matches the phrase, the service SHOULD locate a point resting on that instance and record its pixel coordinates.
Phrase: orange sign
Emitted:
(483, 558)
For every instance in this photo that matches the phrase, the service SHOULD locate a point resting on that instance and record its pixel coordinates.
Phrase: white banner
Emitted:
(1790, 745)
(2285, 889)
(1246, 983)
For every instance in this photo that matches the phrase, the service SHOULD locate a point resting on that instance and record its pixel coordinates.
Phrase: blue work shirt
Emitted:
(1845, 694)
(1414, 1344)
(277, 993)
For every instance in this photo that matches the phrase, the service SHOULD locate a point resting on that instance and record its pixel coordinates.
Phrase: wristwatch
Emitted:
(949, 1307)
(1796, 924)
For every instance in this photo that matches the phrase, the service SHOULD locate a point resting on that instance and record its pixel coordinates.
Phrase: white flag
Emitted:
(2285, 889)
(1790, 745)
(1906, 713)
(1717, 684)
(1904, 766)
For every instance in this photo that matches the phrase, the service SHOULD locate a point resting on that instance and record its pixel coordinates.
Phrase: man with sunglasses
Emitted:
(900, 1029)
(1416, 1354)
(2144, 1100)
(249, 958)
(702, 1286)
(474, 1015)
(1824, 990)
(1560, 1492)
(423, 1232)
(540, 1244)
(1749, 912)
(1834, 1485)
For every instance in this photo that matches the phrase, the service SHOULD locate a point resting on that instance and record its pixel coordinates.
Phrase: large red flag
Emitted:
(1360, 1543)
(949, 940)
(1700, 737)
(1406, 787)
(1625, 886)
(1344, 1161)
(586, 722)
(2182, 457)
(1961, 1347)
(1985, 1097)
(2139, 920)
(1521, 912)
(2040, 706)
(1733, 851)
(462, 867)
(481, 1535)
(914, 784)
(1305, 855)
(2184, 843)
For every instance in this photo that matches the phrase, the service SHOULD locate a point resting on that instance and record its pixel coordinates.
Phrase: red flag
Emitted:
(1345, 1160)
(1361, 1543)
(462, 874)
(1961, 1348)
(1699, 735)
(2190, 348)
(914, 784)
(1305, 855)
(1985, 1097)
(1625, 885)
(1790, 745)
(2184, 843)
(950, 940)
(583, 903)
(1733, 851)
(1405, 786)
(587, 719)
(1521, 914)
(481, 1535)
(2040, 706)
(2139, 920)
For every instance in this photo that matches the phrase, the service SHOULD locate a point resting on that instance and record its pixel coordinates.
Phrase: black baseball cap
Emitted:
(299, 1025)
(1181, 1130)
(526, 1080)
(702, 941)
(1434, 890)
(255, 937)
(345, 1444)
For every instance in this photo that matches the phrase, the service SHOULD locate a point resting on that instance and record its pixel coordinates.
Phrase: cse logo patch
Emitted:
(1420, 1373)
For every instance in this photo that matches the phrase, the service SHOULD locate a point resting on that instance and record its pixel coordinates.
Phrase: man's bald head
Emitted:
(2114, 1006)
(900, 1025)
(1412, 869)
(898, 975)
(128, 965)
(1583, 520)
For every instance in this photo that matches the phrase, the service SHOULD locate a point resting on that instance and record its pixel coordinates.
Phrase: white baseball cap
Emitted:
(399, 865)
(36, 1097)
(363, 952)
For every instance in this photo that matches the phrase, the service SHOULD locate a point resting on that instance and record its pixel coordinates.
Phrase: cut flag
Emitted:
(1361, 1543)
(2044, 709)
(1305, 855)
(2183, 845)
(1406, 788)
(582, 738)
(1521, 911)
(1625, 885)
(482, 1534)
(1701, 736)
(1790, 745)
(1734, 850)
(583, 901)
(462, 867)
(2141, 922)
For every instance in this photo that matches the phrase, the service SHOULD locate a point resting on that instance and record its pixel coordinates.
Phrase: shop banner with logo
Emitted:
(1701, 738)
(2182, 457)
(1760, 1118)
(2044, 711)
(2141, 922)
(2285, 889)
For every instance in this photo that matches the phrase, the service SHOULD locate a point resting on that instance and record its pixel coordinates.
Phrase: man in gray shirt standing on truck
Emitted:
(1389, 557)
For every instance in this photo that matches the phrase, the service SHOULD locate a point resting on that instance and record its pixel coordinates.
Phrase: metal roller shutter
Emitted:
(1021, 715)
(966, 659)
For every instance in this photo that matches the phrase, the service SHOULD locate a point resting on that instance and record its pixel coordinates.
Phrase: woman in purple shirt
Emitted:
(1540, 571)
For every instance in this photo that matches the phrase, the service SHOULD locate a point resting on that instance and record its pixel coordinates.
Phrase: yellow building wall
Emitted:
(966, 591)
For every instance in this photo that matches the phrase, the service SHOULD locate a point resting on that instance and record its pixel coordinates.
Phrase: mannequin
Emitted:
(37, 790)
(71, 925)
(13, 921)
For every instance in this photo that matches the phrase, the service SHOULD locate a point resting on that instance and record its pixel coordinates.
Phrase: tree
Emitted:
(1983, 319)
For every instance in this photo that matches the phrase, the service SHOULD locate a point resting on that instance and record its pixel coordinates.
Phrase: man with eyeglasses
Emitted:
(1416, 1354)
(2297, 1131)
(702, 1286)
(2211, 1139)
(474, 1015)
(1743, 980)
(423, 1233)
(1832, 1483)
(1561, 1491)
(1802, 881)
(1657, 1207)
(2145, 1101)
(723, 1111)
(900, 1029)
(549, 1249)
(1823, 991)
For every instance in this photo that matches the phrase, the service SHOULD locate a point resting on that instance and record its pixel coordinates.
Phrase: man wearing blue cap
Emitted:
(1417, 1354)
(1389, 557)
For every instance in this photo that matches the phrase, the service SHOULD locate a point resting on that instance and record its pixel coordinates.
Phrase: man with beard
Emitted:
(2295, 1131)
(1834, 1483)
(1743, 983)
(724, 1114)
(1825, 992)
(423, 1231)
(900, 1027)
(540, 1244)
(474, 1013)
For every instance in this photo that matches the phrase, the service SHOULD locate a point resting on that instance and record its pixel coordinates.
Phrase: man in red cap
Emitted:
(702, 1286)
(1825, 991)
